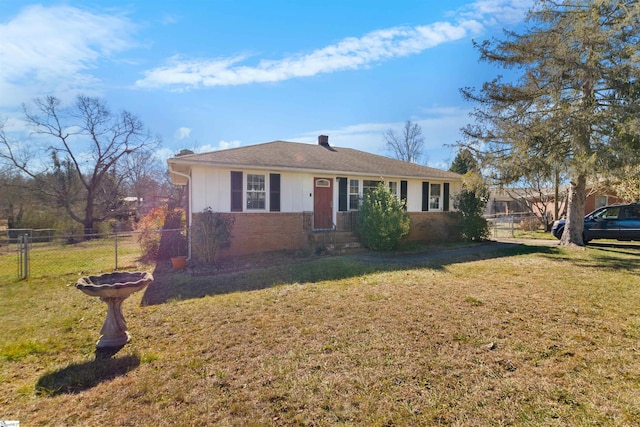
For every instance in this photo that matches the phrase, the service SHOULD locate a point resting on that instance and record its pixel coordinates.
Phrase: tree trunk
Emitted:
(574, 226)
(89, 223)
(88, 230)
(89, 220)
(556, 195)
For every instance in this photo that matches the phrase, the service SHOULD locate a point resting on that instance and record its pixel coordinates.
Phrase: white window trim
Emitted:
(247, 192)
(358, 194)
(397, 189)
(599, 205)
(431, 195)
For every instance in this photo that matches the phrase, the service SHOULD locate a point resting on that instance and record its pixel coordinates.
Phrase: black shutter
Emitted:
(274, 192)
(445, 196)
(425, 196)
(236, 191)
(343, 194)
(403, 193)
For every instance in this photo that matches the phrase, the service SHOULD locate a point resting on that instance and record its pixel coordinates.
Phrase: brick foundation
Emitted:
(259, 232)
(264, 232)
(434, 226)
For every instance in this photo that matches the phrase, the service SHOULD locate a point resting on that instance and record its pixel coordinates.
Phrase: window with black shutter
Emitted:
(403, 193)
(425, 196)
(236, 191)
(343, 194)
(274, 192)
(445, 197)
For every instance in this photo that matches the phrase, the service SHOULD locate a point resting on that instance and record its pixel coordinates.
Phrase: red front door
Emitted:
(323, 203)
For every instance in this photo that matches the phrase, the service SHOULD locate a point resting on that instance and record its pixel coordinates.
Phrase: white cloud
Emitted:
(169, 19)
(182, 133)
(165, 153)
(440, 128)
(14, 125)
(229, 144)
(222, 145)
(348, 54)
(352, 53)
(51, 50)
(496, 12)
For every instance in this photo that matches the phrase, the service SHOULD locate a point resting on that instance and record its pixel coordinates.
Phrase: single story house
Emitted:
(516, 202)
(599, 197)
(281, 193)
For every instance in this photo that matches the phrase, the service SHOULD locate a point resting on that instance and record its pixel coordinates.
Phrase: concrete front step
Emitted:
(337, 242)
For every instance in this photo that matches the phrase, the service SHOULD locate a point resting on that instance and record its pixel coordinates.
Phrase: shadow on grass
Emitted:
(169, 285)
(82, 376)
(615, 256)
(630, 248)
(609, 256)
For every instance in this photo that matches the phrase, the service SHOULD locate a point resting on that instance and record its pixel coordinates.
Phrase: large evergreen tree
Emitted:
(575, 102)
(464, 162)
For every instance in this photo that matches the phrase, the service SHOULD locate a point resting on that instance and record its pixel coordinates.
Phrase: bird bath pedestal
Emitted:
(113, 289)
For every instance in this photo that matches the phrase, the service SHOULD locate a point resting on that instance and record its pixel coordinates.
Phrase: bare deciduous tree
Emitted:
(406, 145)
(144, 174)
(86, 145)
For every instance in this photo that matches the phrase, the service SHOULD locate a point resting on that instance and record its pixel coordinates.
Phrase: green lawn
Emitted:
(57, 259)
(527, 335)
(541, 235)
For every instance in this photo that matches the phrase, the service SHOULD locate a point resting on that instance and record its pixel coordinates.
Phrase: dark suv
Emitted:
(620, 222)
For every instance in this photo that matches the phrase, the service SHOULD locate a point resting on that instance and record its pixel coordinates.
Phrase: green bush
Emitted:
(210, 232)
(382, 221)
(470, 203)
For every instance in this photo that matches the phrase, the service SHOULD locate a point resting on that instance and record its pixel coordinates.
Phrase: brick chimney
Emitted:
(323, 140)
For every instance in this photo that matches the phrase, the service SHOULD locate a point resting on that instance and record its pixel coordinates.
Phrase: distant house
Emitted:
(597, 198)
(514, 202)
(507, 202)
(282, 192)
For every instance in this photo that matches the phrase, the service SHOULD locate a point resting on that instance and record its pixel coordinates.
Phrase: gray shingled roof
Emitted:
(283, 155)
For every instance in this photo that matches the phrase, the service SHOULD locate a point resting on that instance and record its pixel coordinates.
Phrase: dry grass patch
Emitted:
(542, 338)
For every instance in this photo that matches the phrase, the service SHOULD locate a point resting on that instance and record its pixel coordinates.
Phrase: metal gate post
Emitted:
(23, 257)
(19, 253)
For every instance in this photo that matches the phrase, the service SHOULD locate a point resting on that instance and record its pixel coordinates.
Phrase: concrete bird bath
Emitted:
(113, 289)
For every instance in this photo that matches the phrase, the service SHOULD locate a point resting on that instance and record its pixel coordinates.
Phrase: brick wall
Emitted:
(590, 202)
(434, 226)
(264, 232)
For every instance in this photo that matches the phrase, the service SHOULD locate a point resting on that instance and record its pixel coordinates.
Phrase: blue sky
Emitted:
(215, 74)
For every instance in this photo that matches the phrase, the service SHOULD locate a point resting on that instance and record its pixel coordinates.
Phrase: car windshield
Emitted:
(608, 213)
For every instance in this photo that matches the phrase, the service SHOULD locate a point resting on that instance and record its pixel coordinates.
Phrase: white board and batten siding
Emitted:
(212, 188)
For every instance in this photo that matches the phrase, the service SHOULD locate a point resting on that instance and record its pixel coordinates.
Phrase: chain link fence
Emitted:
(30, 253)
(507, 225)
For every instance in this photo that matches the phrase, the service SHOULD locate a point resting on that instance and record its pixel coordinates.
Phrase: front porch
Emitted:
(345, 221)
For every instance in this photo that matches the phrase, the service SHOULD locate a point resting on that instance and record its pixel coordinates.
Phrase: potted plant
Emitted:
(178, 247)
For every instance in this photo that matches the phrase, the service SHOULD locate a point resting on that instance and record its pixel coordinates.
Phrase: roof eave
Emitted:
(232, 165)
